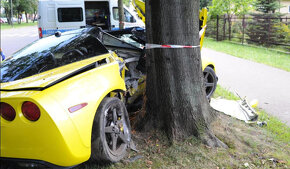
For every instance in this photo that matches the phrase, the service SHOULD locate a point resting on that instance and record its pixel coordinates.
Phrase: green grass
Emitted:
(16, 25)
(280, 130)
(222, 92)
(275, 127)
(257, 54)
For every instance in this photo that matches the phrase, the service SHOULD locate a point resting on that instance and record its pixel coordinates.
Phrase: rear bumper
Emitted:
(43, 142)
(55, 142)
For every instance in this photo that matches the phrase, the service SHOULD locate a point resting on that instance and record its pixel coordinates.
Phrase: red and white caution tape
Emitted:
(152, 46)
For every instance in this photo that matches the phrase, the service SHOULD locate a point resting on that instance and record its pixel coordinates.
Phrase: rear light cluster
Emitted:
(29, 110)
(7, 111)
(40, 32)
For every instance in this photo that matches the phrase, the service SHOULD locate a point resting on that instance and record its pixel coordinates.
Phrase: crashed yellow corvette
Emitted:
(62, 97)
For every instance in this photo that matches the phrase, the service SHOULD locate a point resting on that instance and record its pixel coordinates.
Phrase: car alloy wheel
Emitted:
(111, 133)
(210, 81)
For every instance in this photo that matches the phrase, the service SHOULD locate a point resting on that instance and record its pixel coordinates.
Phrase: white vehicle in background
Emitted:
(64, 15)
(3, 20)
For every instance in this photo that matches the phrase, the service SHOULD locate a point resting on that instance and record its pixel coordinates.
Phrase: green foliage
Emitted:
(265, 28)
(230, 7)
(6, 5)
(266, 6)
(127, 2)
(204, 3)
(19, 7)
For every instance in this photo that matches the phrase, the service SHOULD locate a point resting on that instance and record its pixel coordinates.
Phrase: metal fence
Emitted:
(240, 29)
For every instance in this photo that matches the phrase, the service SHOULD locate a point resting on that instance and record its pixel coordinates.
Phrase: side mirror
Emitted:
(57, 34)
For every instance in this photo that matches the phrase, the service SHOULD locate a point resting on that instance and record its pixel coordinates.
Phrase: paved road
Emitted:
(269, 85)
(14, 39)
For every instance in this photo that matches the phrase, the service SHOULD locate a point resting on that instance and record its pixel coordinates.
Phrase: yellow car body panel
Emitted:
(203, 18)
(140, 8)
(58, 137)
(205, 62)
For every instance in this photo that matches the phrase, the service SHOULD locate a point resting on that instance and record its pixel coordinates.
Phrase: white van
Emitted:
(65, 15)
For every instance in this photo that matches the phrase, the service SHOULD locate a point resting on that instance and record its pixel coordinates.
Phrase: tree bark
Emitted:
(230, 26)
(224, 27)
(7, 14)
(35, 12)
(26, 17)
(19, 18)
(176, 99)
(121, 14)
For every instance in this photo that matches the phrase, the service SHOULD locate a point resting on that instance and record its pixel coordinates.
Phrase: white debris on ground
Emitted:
(239, 109)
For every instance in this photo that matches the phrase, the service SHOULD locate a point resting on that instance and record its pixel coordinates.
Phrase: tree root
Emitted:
(209, 139)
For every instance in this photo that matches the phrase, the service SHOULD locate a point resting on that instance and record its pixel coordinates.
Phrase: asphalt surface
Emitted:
(271, 86)
(14, 39)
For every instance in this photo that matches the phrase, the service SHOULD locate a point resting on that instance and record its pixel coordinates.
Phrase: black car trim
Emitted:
(12, 161)
(22, 89)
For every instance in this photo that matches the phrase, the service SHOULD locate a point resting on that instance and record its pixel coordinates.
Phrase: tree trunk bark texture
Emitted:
(26, 17)
(176, 99)
(230, 26)
(34, 17)
(121, 14)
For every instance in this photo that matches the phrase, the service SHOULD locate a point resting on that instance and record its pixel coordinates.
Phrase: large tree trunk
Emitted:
(177, 101)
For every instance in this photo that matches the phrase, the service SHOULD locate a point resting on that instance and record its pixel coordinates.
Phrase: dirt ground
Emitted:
(250, 146)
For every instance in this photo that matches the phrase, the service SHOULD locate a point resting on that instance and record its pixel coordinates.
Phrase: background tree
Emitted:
(127, 2)
(20, 7)
(205, 3)
(230, 8)
(121, 14)
(34, 6)
(266, 28)
(176, 100)
(7, 8)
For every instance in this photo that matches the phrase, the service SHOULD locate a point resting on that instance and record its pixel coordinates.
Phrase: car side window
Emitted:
(49, 53)
(128, 16)
(83, 48)
(70, 14)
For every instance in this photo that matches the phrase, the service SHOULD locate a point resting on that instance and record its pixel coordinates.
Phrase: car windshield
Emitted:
(51, 52)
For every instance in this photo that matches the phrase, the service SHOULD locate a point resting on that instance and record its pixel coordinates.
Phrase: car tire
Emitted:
(210, 81)
(111, 133)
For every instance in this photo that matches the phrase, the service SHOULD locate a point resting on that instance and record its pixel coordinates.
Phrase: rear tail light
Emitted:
(30, 111)
(40, 32)
(7, 111)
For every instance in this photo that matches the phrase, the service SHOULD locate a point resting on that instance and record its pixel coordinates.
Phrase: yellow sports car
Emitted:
(56, 107)
(62, 98)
